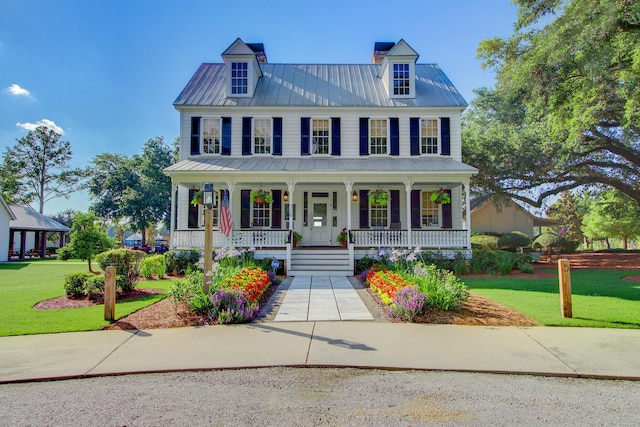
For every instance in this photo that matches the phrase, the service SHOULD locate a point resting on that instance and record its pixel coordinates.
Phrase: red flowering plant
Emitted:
(386, 283)
(251, 281)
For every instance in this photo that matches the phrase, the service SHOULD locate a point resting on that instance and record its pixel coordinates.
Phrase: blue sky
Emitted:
(106, 72)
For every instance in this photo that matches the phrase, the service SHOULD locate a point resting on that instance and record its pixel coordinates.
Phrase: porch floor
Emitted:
(316, 298)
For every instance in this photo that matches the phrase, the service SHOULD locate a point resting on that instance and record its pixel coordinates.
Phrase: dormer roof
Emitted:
(400, 51)
(240, 50)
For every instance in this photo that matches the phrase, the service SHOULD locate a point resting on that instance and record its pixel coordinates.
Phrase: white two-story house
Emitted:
(319, 138)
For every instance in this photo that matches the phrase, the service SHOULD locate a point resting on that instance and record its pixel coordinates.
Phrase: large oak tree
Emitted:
(565, 111)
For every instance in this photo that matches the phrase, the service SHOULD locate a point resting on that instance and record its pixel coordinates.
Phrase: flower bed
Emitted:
(386, 283)
(251, 281)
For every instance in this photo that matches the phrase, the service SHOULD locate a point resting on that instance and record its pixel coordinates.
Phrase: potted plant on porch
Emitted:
(378, 197)
(440, 197)
(261, 196)
(343, 237)
(297, 237)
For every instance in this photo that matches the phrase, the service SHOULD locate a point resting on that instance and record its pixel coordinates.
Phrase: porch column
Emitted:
(349, 188)
(408, 186)
(290, 188)
(172, 218)
(467, 212)
(23, 241)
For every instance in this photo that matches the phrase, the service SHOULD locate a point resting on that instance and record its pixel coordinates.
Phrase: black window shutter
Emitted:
(195, 135)
(364, 208)
(415, 208)
(245, 209)
(394, 130)
(277, 136)
(305, 130)
(246, 136)
(364, 136)
(395, 206)
(192, 218)
(335, 136)
(276, 209)
(447, 219)
(414, 135)
(226, 136)
(445, 136)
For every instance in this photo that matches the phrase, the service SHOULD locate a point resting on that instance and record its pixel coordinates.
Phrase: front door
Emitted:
(320, 227)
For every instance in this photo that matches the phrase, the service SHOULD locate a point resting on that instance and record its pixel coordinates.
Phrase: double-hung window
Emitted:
(429, 136)
(211, 136)
(429, 211)
(401, 81)
(320, 136)
(379, 215)
(378, 136)
(261, 136)
(261, 215)
(239, 78)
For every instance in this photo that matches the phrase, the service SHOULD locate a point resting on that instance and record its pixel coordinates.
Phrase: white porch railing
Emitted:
(419, 238)
(238, 238)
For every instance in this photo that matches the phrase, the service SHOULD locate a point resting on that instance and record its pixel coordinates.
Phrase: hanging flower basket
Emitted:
(440, 197)
(378, 197)
(261, 196)
(197, 198)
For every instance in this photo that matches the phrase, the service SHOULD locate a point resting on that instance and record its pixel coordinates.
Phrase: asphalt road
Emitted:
(314, 396)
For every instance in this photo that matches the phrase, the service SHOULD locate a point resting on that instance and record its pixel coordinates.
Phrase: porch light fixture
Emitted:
(354, 196)
(285, 196)
(208, 196)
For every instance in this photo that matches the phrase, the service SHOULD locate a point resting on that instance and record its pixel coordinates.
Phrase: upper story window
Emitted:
(401, 80)
(429, 136)
(262, 136)
(239, 78)
(378, 136)
(320, 136)
(211, 136)
(429, 211)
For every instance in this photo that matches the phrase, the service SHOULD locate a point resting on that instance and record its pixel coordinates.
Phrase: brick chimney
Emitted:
(258, 48)
(380, 50)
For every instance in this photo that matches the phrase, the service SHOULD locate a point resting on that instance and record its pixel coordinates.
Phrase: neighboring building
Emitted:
(490, 217)
(319, 138)
(29, 230)
(6, 216)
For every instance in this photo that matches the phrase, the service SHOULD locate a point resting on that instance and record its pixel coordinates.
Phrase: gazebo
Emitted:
(30, 222)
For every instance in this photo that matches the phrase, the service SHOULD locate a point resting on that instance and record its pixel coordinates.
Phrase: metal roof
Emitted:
(320, 85)
(254, 164)
(28, 218)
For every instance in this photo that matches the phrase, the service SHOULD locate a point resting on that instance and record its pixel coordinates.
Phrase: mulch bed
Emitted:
(66, 302)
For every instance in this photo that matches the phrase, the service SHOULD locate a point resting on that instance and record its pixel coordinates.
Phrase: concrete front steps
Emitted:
(320, 262)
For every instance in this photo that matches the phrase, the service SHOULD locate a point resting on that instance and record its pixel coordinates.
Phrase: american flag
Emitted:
(226, 223)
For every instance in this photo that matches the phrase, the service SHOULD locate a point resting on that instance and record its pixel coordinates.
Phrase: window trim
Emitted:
(253, 136)
(427, 193)
(402, 79)
(329, 140)
(202, 136)
(388, 137)
(411, 78)
(420, 136)
(264, 207)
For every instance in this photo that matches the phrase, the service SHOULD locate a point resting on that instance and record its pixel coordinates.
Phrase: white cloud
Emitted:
(15, 89)
(44, 122)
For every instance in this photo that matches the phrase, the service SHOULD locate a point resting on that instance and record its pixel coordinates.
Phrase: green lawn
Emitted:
(599, 297)
(22, 285)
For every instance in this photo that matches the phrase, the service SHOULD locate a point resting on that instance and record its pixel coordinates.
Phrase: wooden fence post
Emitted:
(110, 293)
(564, 274)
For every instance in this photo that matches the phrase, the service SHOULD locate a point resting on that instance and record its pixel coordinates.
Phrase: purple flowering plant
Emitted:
(233, 306)
(408, 303)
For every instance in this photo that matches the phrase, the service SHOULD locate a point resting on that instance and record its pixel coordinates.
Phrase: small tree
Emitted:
(88, 237)
(550, 241)
(514, 240)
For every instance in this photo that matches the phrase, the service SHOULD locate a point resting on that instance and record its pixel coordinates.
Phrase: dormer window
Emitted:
(239, 78)
(401, 81)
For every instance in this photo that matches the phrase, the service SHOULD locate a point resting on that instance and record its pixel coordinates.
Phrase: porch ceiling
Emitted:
(261, 169)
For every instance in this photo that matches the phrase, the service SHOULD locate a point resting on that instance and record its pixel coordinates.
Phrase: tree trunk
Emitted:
(607, 242)
(89, 262)
(624, 242)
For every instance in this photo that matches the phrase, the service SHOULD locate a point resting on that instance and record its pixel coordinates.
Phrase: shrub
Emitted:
(527, 268)
(364, 264)
(75, 284)
(200, 303)
(443, 289)
(514, 240)
(408, 303)
(179, 261)
(95, 284)
(550, 241)
(185, 290)
(504, 262)
(151, 265)
(484, 241)
(65, 253)
(232, 306)
(127, 264)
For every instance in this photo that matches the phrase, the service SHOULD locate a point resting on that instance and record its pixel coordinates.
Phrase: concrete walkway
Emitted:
(313, 298)
(574, 352)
